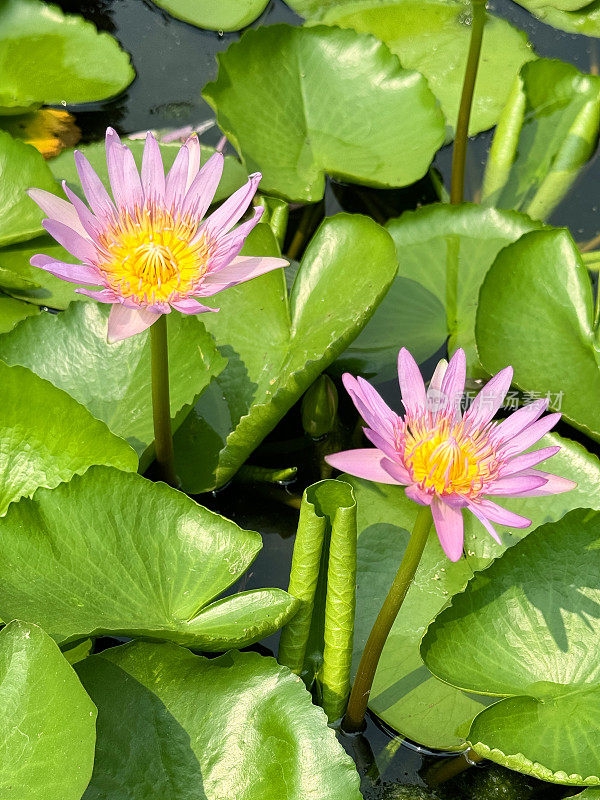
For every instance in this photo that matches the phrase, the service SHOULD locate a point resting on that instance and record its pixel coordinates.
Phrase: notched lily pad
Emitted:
(299, 103)
(111, 553)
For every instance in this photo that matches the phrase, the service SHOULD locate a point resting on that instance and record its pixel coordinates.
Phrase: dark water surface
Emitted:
(173, 61)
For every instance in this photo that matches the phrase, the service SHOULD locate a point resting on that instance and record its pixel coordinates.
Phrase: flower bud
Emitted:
(319, 407)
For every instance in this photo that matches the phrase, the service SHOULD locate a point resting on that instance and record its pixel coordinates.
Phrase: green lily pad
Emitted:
(525, 630)
(112, 553)
(277, 346)
(226, 15)
(443, 254)
(432, 37)
(584, 20)
(113, 381)
(238, 726)
(12, 311)
(46, 437)
(63, 166)
(48, 57)
(45, 289)
(546, 134)
(405, 694)
(21, 167)
(299, 103)
(589, 794)
(536, 313)
(47, 728)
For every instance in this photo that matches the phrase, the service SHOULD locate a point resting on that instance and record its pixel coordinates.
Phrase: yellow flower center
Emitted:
(448, 459)
(150, 257)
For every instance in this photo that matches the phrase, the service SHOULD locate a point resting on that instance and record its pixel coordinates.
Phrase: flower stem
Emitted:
(461, 137)
(161, 407)
(359, 697)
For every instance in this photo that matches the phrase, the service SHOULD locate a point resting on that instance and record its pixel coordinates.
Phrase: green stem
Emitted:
(161, 407)
(451, 767)
(461, 137)
(359, 697)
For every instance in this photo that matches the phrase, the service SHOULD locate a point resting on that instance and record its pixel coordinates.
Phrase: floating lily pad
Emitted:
(525, 630)
(300, 103)
(50, 57)
(47, 437)
(238, 726)
(584, 20)
(546, 134)
(443, 254)
(44, 289)
(112, 553)
(405, 695)
(226, 15)
(21, 167)
(432, 37)
(113, 381)
(12, 311)
(536, 313)
(276, 346)
(63, 167)
(47, 727)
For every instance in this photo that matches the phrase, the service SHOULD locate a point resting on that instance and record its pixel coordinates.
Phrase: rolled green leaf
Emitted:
(546, 134)
(323, 578)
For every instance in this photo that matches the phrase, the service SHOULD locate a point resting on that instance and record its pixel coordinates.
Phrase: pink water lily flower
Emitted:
(149, 247)
(449, 461)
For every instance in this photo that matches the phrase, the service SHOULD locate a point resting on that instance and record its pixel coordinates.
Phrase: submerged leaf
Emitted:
(299, 103)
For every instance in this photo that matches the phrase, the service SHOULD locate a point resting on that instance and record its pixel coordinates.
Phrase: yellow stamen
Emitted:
(446, 458)
(150, 257)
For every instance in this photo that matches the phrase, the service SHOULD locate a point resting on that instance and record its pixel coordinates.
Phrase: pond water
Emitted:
(173, 61)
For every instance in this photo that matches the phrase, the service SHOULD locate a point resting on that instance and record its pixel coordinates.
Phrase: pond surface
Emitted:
(173, 61)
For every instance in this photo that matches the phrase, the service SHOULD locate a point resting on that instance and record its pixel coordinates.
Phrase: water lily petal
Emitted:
(448, 521)
(362, 464)
(74, 273)
(125, 322)
(242, 268)
(153, 171)
(58, 209)
(489, 399)
(233, 209)
(412, 387)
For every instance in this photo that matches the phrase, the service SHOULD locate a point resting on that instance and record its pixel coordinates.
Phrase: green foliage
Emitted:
(47, 726)
(277, 345)
(295, 110)
(405, 695)
(21, 167)
(50, 57)
(112, 553)
(432, 37)
(226, 15)
(546, 134)
(46, 437)
(113, 381)
(536, 313)
(238, 726)
(522, 630)
(317, 642)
